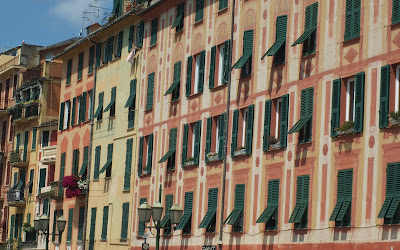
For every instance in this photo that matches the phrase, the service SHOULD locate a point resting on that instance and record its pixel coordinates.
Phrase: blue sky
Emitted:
(45, 22)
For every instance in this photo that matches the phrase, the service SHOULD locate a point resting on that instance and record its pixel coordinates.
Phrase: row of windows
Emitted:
(78, 113)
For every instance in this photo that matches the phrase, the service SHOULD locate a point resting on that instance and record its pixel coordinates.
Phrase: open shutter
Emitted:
(97, 163)
(140, 36)
(249, 128)
(98, 54)
(211, 78)
(105, 223)
(189, 76)
(73, 112)
(197, 138)
(284, 121)
(201, 71)
(208, 136)
(140, 158)
(150, 154)
(335, 114)
(359, 103)
(70, 222)
(61, 120)
(125, 220)
(384, 96)
(128, 164)
(390, 190)
(235, 121)
(184, 144)
(221, 135)
(396, 11)
(267, 124)
(227, 59)
(130, 37)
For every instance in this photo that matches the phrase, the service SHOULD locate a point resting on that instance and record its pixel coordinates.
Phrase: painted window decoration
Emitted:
(309, 36)
(304, 125)
(299, 215)
(242, 131)
(145, 155)
(191, 144)
(245, 61)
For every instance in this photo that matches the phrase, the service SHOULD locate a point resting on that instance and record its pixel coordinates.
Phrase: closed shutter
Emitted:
(70, 222)
(110, 48)
(125, 219)
(140, 158)
(73, 112)
(81, 222)
(184, 144)
(80, 66)
(53, 235)
(69, 71)
(140, 36)
(335, 115)
(353, 14)
(61, 120)
(197, 137)
(189, 76)
(34, 132)
(235, 121)
(267, 125)
(227, 60)
(83, 107)
(199, 10)
(208, 136)
(211, 78)
(201, 71)
(62, 169)
(119, 44)
(359, 103)
(154, 29)
(105, 223)
(221, 135)
(396, 12)
(128, 164)
(97, 163)
(12, 222)
(142, 224)
(150, 90)
(390, 190)
(384, 96)
(92, 228)
(91, 60)
(284, 121)
(98, 54)
(239, 195)
(130, 38)
(347, 188)
(249, 129)
(42, 178)
(223, 4)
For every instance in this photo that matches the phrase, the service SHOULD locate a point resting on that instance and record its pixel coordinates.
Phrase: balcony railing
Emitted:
(32, 110)
(49, 191)
(49, 153)
(20, 158)
(9, 63)
(17, 113)
(16, 196)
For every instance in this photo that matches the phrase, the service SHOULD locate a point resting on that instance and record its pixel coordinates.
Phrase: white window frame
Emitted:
(90, 104)
(397, 89)
(216, 136)
(277, 117)
(78, 111)
(348, 97)
(244, 128)
(66, 115)
(221, 58)
(196, 74)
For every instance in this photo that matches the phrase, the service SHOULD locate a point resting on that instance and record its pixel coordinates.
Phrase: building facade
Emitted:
(312, 151)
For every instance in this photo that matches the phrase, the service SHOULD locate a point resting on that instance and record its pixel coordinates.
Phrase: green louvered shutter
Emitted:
(208, 136)
(235, 121)
(150, 90)
(384, 96)
(390, 190)
(81, 222)
(221, 135)
(73, 111)
(34, 132)
(396, 12)
(83, 107)
(211, 78)
(184, 144)
(69, 71)
(119, 44)
(154, 29)
(98, 54)
(97, 163)
(223, 4)
(91, 60)
(267, 125)
(347, 196)
(359, 103)
(12, 222)
(239, 195)
(189, 76)
(249, 128)
(150, 154)
(125, 219)
(110, 48)
(26, 141)
(62, 169)
(352, 21)
(18, 141)
(197, 138)
(105, 223)
(130, 38)
(80, 66)
(201, 71)
(284, 120)
(61, 120)
(70, 222)
(140, 159)
(227, 60)
(53, 235)
(141, 224)
(128, 164)
(335, 114)
(199, 10)
(140, 36)
(92, 228)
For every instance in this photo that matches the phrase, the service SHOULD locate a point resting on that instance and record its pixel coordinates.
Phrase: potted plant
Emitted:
(394, 117)
(189, 161)
(212, 156)
(240, 151)
(27, 227)
(346, 128)
(274, 143)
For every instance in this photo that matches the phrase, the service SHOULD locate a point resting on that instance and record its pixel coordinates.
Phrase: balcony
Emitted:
(32, 110)
(49, 154)
(16, 196)
(17, 112)
(22, 113)
(49, 191)
(12, 62)
(19, 159)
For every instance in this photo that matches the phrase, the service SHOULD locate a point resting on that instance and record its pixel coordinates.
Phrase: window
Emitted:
(235, 218)
(66, 114)
(128, 164)
(245, 62)
(304, 124)
(154, 29)
(45, 138)
(82, 107)
(75, 162)
(215, 137)
(390, 211)
(342, 212)
(210, 219)
(90, 103)
(389, 95)
(191, 144)
(80, 223)
(125, 219)
(141, 228)
(92, 228)
(110, 50)
(108, 166)
(171, 154)
(70, 222)
(69, 71)
(165, 222)
(139, 34)
(119, 44)
(186, 221)
(130, 37)
(396, 12)
(98, 54)
(30, 184)
(80, 66)
(195, 82)
(111, 106)
(42, 178)
(242, 131)
(91, 60)
(219, 64)
(99, 112)
(83, 171)
(199, 11)
(179, 19)
(131, 104)
(223, 4)
(97, 163)
(150, 90)
(279, 47)
(309, 37)
(105, 223)
(73, 115)
(145, 156)
(117, 8)
(175, 87)
(300, 212)
(276, 123)
(351, 114)
(18, 142)
(270, 214)
(353, 17)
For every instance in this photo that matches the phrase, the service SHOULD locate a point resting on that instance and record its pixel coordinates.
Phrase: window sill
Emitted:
(90, 74)
(198, 22)
(190, 163)
(79, 80)
(171, 170)
(126, 191)
(352, 40)
(308, 55)
(99, 121)
(144, 175)
(130, 129)
(154, 45)
(192, 96)
(239, 152)
(213, 158)
(107, 178)
(173, 102)
(306, 142)
(179, 32)
(222, 11)
(218, 87)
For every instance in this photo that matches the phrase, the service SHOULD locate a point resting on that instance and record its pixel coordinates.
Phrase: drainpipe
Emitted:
(90, 152)
(221, 226)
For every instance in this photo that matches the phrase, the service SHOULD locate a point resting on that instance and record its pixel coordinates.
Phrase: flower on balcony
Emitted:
(69, 182)
(72, 192)
(82, 184)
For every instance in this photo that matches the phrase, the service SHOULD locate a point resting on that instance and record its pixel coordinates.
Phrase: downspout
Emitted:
(90, 152)
(221, 226)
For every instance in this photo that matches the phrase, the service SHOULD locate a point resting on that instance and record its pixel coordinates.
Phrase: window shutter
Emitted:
(34, 132)
(128, 164)
(141, 224)
(98, 54)
(211, 78)
(284, 121)
(81, 222)
(335, 115)
(150, 154)
(53, 235)
(92, 228)
(184, 145)
(70, 222)
(12, 226)
(105, 223)
(267, 125)
(208, 137)
(199, 10)
(119, 44)
(249, 128)
(359, 103)
(221, 136)
(62, 169)
(235, 121)
(91, 60)
(61, 120)
(83, 107)
(150, 90)
(227, 58)
(73, 112)
(110, 48)
(140, 36)
(69, 71)
(201, 71)
(197, 142)
(239, 195)
(356, 17)
(140, 159)
(97, 163)
(130, 38)
(42, 177)
(384, 96)
(189, 76)
(396, 11)
(80, 66)
(125, 219)
(154, 29)
(223, 4)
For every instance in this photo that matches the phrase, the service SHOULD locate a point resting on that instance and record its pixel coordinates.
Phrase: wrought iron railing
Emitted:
(31, 110)
(16, 195)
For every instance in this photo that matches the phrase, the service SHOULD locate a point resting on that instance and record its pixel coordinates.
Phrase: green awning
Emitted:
(300, 124)
(184, 220)
(107, 165)
(130, 99)
(172, 88)
(170, 152)
(177, 21)
(232, 218)
(98, 111)
(109, 106)
(83, 168)
(304, 36)
(267, 214)
(274, 49)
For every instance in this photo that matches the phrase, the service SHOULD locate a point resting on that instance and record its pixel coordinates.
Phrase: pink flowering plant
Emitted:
(71, 184)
